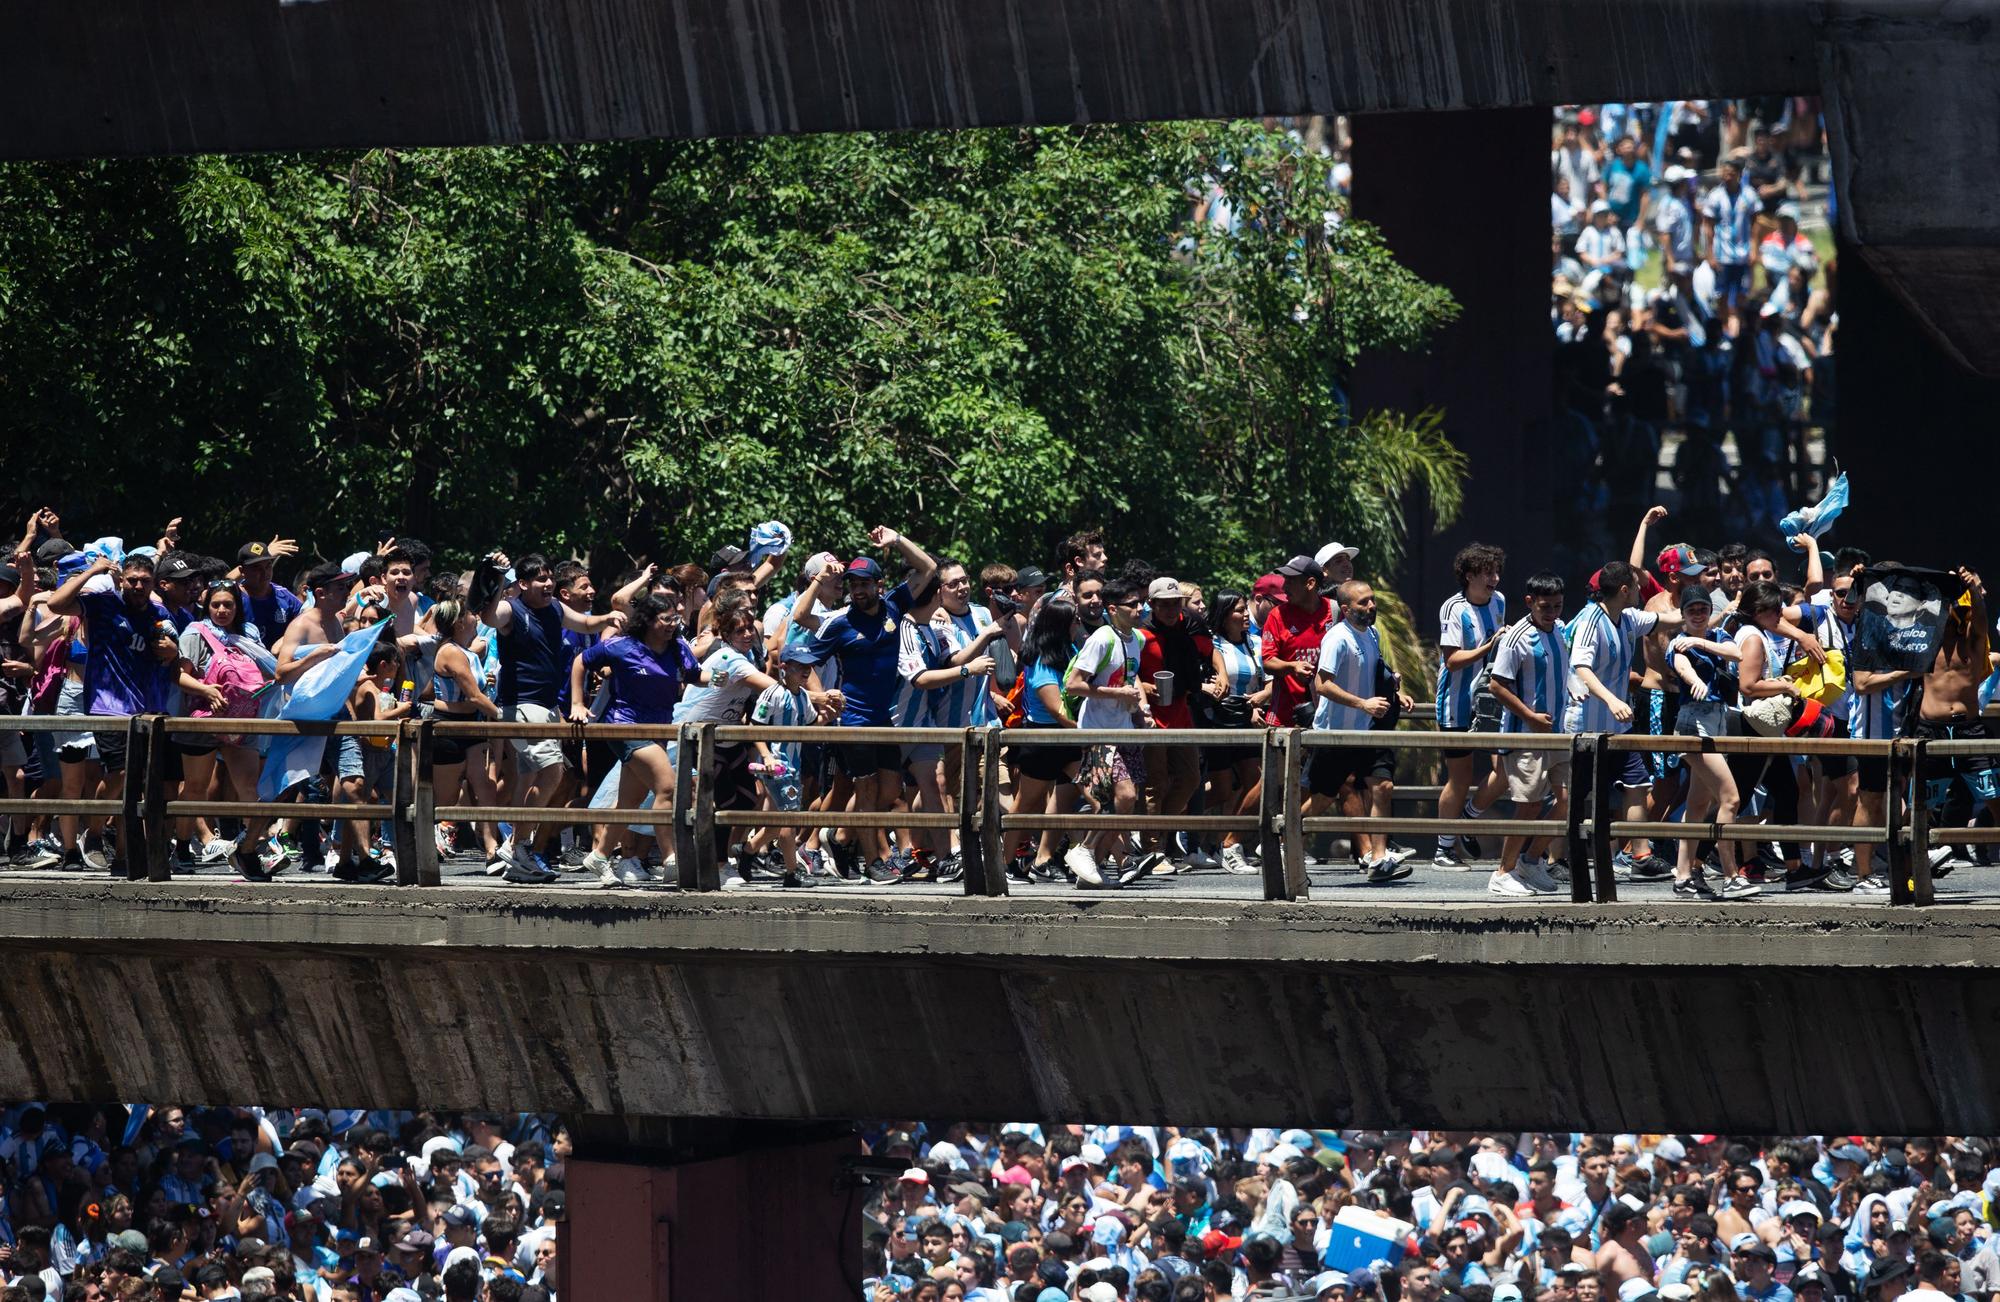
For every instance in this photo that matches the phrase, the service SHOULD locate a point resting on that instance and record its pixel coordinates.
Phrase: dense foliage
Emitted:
(638, 350)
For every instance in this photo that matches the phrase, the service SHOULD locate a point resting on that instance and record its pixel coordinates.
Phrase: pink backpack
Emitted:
(235, 675)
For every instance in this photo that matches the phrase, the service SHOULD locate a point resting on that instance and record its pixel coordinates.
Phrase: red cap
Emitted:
(1272, 586)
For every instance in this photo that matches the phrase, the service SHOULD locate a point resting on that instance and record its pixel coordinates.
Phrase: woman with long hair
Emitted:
(458, 692)
(1239, 667)
(1045, 655)
(223, 631)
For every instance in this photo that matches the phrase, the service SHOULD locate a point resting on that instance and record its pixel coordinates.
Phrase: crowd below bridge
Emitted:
(1024, 1213)
(147, 1203)
(1674, 640)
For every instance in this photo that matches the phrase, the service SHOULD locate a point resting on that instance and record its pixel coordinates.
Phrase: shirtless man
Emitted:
(1623, 1255)
(315, 634)
(1949, 707)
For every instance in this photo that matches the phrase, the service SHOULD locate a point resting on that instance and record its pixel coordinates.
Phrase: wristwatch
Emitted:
(965, 671)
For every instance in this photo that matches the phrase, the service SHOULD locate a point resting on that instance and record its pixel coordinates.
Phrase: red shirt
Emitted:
(1291, 633)
(1153, 658)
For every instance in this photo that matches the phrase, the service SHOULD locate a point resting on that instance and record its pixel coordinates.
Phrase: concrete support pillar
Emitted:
(1462, 200)
(767, 1222)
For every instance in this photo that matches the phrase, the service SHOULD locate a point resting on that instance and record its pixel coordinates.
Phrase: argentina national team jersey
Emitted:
(1872, 715)
(1604, 646)
(1537, 664)
(1349, 658)
(1462, 625)
(968, 702)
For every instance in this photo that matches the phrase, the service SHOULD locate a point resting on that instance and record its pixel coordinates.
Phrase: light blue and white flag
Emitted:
(320, 693)
(1819, 517)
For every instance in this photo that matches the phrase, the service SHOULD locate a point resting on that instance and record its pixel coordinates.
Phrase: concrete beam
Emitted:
(123, 77)
(859, 1004)
(1912, 101)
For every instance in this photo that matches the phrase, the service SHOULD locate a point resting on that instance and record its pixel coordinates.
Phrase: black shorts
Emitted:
(1219, 758)
(448, 751)
(110, 750)
(1839, 766)
(864, 759)
(1463, 752)
(195, 743)
(1874, 770)
(1333, 766)
(1046, 763)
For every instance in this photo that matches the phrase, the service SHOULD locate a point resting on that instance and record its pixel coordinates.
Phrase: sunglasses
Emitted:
(1844, 594)
(1128, 605)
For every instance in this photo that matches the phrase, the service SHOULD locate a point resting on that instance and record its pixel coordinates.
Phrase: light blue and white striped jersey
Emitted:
(1873, 714)
(922, 648)
(1348, 656)
(1461, 624)
(967, 703)
(1243, 666)
(1604, 646)
(1536, 664)
(778, 708)
(1733, 216)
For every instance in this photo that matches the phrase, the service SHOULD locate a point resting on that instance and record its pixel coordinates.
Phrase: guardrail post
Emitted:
(992, 814)
(1601, 814)
(985, 871)
(1292, 844)
(1271, 810)
(705, 872)
(402, 807)
(1918, 887)
(1896, 821)
(686, 765)
(1580, 760)
(146, 761)
(423, 803)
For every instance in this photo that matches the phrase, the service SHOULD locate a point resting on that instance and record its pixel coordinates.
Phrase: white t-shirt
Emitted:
(1108, 661)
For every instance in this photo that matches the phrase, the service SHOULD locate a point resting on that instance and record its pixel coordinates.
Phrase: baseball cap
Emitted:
(1302, 567)
(1849, 1153)
(1696, 595)
(1093, 1154)
(416, 1241)
(8, 574)
(175, 568)
(1102, 1291)
(1788, 209)
(263, 1162)
(817, 562)
(1678, 559)
(1808, 1276)
(1675, 174)
(460, 1218)
(1030, 577)
(861, 567)
(52, 550)
(1632, 1290)
(915, 1175)
(1600, 206)
(1106, 1231)
(1799, 1207)
(1333, 549)
(725, 556)
(1074, 1164)
(1164, 589)
(798, 653)
(353, 561)
(251, 553)
(1271, 586)
(1506, 1293)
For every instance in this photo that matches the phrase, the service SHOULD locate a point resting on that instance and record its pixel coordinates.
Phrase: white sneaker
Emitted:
(667, 871)
(1201, 858)
(1537, 877)
(631, 871)
(601, 864)
(1507, 884)
(331, 861)
(217, 850)
(1084, 864)
(1398, 853)
(733, 881)
(1235, 861)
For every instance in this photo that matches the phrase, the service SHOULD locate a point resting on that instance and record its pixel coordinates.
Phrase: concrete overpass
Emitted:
(624, 1008)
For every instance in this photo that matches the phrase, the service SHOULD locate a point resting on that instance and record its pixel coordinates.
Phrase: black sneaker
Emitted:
(1388, 870)
(72, 861)
(882, 873)
(749, 865)
(1695, 888)
(1837, 880)
(1017, 871)
(951, 868)
(1739, 888)
(1131, 868)
(1805, 877)
(920, 868)
(792, 880)
(1044, 870)
(366, 873)
(1558, 869)
(846, 859)
(246, 864)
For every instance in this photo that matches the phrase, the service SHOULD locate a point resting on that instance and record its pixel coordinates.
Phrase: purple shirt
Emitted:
(644, 687)
(119, 676)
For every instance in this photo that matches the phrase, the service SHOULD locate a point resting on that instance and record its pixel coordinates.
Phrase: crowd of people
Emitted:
(171, 1204)
(1687, 298)
(1160, 1214)
(1705, 643)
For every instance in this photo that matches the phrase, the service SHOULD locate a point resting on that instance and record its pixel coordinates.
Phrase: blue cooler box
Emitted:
(1360, 1237)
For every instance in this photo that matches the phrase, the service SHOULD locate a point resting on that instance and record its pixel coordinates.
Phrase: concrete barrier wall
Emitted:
(1770, 1018)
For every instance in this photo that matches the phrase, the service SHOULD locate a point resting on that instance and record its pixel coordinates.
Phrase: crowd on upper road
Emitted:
(1160, 1214)
(171, 1204)
(1702, 643)
(1687, 297)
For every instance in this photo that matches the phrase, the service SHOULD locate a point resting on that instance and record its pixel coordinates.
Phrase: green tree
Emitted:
(639, 350)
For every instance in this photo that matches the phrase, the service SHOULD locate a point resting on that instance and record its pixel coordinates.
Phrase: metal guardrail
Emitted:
(980, 819)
